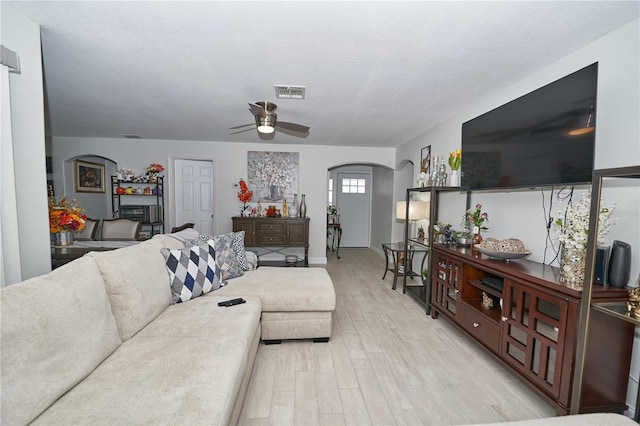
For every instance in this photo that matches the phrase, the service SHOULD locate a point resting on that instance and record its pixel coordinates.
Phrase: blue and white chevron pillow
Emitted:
(192, 271)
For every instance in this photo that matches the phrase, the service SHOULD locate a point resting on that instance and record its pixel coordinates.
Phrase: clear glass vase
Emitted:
(572, 264)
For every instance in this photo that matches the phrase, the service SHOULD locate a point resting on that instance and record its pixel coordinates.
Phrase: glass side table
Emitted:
(396, 252)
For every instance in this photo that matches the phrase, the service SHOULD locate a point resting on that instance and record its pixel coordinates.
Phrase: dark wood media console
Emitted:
(525, 317)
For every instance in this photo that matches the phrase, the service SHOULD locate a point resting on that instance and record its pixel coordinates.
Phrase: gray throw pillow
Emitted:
(192, 271)
(226, 256)
(238, 247)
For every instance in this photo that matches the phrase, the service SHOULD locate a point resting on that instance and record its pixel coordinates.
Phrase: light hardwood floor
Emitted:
(387, 363)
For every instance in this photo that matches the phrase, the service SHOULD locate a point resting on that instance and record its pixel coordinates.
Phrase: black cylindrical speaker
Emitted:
(620, 264)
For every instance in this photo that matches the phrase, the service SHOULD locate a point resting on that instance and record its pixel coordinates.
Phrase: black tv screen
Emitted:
(544, 138)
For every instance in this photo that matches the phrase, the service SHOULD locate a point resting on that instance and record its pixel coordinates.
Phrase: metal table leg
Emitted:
(386, 261)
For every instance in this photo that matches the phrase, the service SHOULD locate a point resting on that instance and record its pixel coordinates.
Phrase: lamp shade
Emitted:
(417, 210)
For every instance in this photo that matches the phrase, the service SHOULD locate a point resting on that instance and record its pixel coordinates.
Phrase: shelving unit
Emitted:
(422, 292)
(154, 198)
(613, 310)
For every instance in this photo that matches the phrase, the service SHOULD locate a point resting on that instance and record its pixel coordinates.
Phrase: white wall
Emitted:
(403, 179)
(22, 35)
(230, 162)
(520, 214)
(382, 198)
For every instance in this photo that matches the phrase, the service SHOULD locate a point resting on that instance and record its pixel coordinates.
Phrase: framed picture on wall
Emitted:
(88, 177)
(273, 175)
(425, 160)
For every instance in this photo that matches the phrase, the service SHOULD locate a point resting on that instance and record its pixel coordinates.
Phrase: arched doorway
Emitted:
(372, 215)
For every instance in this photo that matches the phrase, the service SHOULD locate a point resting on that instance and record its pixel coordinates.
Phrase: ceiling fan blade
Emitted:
(257, 110)
(242, 131)
(282, 130)
(241, 126)
(292, 126)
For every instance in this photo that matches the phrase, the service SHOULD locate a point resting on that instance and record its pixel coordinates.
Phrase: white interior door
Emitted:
(354, 201)
(194, 194)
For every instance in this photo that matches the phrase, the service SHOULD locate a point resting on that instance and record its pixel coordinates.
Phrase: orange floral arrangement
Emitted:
(65, 216)
(245, 196)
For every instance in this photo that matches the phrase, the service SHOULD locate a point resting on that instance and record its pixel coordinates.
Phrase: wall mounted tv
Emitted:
(544, 138)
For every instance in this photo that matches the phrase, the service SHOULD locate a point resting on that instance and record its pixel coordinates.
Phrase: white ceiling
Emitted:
(377, 73)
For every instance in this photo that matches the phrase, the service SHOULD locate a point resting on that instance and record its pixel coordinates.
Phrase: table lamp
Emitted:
(417, 210)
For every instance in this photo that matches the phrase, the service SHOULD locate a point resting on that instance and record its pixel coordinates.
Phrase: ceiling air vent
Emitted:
(289, 92)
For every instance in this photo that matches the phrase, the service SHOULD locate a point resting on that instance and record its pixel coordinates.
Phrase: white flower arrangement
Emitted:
(574, 229)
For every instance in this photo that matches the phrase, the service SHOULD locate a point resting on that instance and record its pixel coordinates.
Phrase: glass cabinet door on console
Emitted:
(533, 334)
(446, 285)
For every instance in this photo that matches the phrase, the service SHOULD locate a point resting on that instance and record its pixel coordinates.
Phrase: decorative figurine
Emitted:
(487, 301)
(633, 305)
(422, 180)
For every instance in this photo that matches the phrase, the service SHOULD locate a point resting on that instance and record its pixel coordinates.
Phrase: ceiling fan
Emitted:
(267, 121)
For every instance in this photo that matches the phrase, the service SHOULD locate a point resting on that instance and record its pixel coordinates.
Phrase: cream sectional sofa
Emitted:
(96, 341)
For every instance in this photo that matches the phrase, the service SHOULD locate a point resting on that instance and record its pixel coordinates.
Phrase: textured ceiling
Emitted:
(377, 73)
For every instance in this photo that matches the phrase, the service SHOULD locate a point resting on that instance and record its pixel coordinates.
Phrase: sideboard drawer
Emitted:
(267, 239)
(267, 227)
(479, 326)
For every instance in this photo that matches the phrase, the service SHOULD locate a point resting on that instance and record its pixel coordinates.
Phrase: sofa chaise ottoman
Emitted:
(297, 303)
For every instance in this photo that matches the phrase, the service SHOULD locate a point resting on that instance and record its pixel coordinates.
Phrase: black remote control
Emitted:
(232, 302)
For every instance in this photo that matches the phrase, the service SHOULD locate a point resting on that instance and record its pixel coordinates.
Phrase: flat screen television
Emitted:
(544, 138)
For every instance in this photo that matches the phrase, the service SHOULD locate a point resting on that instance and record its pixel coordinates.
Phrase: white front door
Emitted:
(354, 201)
(194, 194)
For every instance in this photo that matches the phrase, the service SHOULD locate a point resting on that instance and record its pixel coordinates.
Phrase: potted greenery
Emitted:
(425, 276)
(442, 233)
(332, 213)
(463, 237)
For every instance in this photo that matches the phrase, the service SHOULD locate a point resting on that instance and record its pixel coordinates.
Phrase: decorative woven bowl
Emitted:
(503, 255)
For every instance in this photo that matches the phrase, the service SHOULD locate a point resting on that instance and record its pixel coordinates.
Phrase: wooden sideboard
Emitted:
(524, 316)
(275, 232)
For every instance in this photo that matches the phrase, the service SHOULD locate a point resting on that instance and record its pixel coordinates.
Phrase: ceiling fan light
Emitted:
(267, 128)
(267, 124)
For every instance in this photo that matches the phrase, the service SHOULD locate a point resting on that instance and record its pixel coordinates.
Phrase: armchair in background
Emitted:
(182, 227)
(89, 231)
(120, 229)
